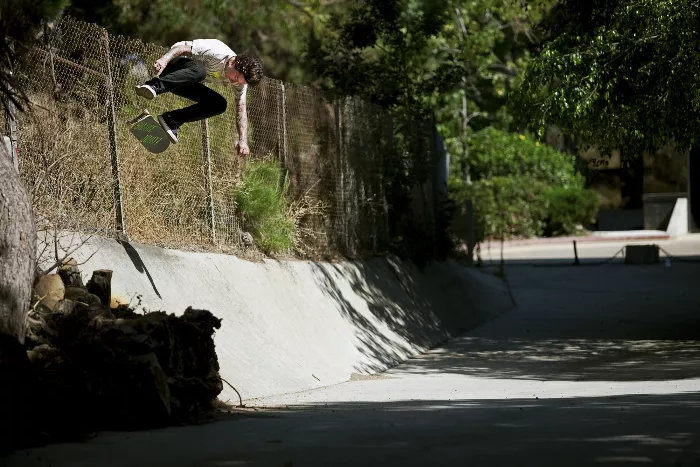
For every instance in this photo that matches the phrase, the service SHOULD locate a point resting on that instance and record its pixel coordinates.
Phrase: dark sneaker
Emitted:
(169, 125)
(146, 91)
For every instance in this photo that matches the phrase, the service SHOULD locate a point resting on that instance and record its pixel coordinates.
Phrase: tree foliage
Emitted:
(19, 21)
(275, 30)
(617, 74)
(489, 41)
(522, 188)
(497, 153)
(383, 50)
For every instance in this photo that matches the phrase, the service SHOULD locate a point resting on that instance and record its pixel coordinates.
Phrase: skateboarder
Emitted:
(182, 71)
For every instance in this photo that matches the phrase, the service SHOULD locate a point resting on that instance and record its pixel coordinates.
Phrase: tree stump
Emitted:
(70, 274)
(100, 284)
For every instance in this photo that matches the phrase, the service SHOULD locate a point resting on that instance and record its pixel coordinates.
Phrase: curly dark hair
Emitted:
(251, 67)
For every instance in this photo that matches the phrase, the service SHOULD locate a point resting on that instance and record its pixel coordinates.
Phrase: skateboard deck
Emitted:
(150, 134)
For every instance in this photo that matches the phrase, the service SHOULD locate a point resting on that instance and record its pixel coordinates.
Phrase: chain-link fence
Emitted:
(352, 178)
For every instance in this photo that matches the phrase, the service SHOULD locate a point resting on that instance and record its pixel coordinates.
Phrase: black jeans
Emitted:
(183, 77)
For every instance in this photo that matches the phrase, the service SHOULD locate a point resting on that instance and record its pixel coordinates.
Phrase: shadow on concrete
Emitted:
(613, 323)
(564, 359)
(139, 264)
(629, 430)
(376, 284)
(420, 308)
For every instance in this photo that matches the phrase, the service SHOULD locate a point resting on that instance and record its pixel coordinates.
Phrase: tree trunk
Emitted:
(17, 250)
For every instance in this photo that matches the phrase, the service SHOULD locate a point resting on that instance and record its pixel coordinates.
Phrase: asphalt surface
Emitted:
(597, 365)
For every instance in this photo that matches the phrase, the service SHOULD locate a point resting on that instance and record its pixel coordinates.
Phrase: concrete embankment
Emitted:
(290, 326)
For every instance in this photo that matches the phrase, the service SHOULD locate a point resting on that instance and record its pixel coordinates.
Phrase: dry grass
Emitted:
(310, 218)
(66, 165)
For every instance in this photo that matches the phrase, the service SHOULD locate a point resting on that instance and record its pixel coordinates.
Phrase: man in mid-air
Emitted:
(182, 71)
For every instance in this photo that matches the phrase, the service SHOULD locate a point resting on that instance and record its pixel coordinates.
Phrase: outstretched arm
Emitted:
(175, 51)
(242, 121)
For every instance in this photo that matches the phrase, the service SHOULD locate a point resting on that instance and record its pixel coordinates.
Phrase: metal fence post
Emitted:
(471, 233)
(282, 125)
(112, 135)
(282, 135)
(341, 170)
(206, 167)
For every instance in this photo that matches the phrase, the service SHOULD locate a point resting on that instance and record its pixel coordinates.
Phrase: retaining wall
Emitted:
(294, 325)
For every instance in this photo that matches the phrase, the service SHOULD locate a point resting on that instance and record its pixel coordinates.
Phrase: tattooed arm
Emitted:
(242, 121)
(175, 51)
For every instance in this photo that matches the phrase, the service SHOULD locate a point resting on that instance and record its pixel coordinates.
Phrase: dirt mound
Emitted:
(86, 367)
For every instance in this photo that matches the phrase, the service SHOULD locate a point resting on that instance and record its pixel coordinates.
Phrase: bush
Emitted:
(518, 207)
(522, 188)
(505, 207)
(568, 208)
(261, 198)
(496, 153)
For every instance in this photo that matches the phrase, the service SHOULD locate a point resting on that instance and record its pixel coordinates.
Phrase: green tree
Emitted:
(616, 74)
(383, 50)
(522, 188)
(275, 30)
(488, 41)
(457, 59)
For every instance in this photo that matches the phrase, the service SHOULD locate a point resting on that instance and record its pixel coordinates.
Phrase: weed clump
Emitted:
(261, 197)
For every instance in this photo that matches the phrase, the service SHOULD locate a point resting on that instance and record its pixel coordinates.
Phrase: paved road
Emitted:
(597, 365)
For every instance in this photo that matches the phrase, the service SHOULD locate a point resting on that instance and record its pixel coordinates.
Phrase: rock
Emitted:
(100, 284)
(155, 391)
(70, 274)
(117, 300)
(65, 307)
(80, 294)
(49, 290)
(44, 356)
(36, 330)
(247, 239)
(112, 368)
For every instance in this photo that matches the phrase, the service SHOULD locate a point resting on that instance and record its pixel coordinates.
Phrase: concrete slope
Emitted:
(597, 366)
(291, 326)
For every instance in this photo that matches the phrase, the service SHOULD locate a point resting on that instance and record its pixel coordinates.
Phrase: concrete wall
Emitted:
(290, 326)
(678, 223)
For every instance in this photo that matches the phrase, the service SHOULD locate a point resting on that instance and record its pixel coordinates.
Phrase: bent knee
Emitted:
(219, 105)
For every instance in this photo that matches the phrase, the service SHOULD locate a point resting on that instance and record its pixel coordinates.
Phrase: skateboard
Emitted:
(150, 134)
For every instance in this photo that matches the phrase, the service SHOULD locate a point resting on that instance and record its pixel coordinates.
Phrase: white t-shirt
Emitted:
(214, 54)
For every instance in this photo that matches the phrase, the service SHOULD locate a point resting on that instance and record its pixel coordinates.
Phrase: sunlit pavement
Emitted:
(597, 365)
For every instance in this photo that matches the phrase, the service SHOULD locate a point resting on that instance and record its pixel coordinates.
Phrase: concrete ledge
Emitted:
(290, 326)
(678, 224)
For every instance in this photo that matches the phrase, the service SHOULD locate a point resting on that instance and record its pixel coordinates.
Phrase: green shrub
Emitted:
(569, 207)
(496, 153)
(261, 198)
(522, 188)
(505, 207)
